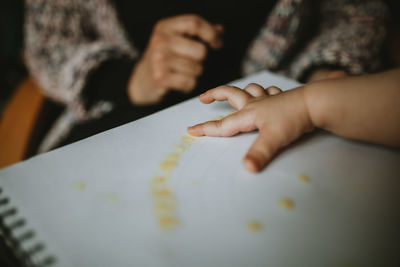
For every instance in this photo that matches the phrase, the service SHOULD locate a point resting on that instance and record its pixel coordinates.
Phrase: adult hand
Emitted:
(173, 59)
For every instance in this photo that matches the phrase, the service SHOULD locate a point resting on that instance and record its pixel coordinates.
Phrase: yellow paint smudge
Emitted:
(159, 179)
(255, 226)
(304, 178)
(187, 140)
(286, 203)
(79, 186)
(168, 165)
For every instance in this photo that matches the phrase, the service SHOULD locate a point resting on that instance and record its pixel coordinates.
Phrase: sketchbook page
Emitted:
(147, 194)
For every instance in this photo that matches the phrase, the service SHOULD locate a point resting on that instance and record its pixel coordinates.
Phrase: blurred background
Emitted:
(12, 69)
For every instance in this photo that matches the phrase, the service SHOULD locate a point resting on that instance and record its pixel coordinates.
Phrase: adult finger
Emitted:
(194, 26)
(255, 90)
(188, 48)
(185, 66)
(236, 97)
(261, 151)
(273, 90)
(228, 126)
(180, 82)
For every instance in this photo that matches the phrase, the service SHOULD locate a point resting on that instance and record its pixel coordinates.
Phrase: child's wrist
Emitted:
(312, 101)
(305, 108)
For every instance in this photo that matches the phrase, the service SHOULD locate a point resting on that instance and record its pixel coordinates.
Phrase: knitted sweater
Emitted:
(65, 40)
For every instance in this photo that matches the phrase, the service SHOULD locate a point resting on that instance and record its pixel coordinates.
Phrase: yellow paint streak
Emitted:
(255, 226)
(304, 178)
(286, 203)
(164, 199)
(79, 186)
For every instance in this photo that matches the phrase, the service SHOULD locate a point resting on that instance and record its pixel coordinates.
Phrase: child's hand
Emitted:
(280, 117)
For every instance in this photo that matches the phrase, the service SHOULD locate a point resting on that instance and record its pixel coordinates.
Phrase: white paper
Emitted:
(98, 202)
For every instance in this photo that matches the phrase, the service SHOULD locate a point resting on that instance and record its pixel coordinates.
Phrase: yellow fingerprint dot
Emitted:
(168, 165)
(159, 179)
(79, 186)
(113, 198)
(166, 222)
(286, 203)
(255, 226)
(304, 178)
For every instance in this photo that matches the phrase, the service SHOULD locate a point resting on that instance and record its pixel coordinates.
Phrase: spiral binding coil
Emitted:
(27, 257)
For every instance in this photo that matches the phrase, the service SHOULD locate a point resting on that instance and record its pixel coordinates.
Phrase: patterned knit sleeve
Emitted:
(67, 39)
(350, 37)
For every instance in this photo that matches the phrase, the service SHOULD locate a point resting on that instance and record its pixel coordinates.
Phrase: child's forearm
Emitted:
(364, 107)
